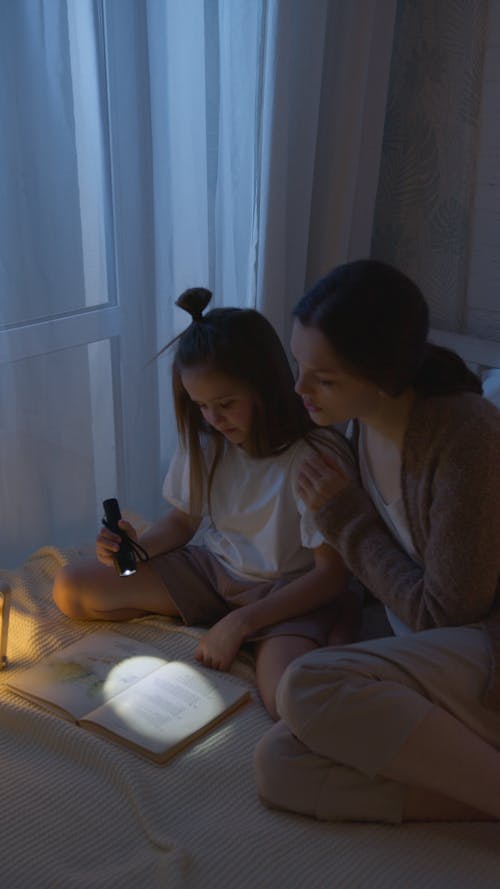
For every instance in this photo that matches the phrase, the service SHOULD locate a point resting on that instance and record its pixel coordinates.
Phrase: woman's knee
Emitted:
(324, 678)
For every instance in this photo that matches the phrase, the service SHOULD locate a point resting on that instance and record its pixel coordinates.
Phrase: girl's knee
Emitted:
(66, 592)
(268, 697)
(273, 657)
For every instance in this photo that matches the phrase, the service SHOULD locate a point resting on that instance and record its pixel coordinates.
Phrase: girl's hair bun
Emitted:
(194, 301)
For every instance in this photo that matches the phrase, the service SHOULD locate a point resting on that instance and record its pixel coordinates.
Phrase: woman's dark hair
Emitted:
(244, 345)
(376, 320)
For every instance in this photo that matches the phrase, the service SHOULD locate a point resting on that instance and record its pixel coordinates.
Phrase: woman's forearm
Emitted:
(453, 584)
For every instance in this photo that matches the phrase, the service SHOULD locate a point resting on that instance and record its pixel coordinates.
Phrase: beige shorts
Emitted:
(204, 592)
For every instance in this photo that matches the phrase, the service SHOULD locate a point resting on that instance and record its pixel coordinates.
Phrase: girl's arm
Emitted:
(173, 530)
(321, 585)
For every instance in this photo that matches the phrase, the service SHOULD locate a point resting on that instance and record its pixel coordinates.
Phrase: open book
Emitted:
(129, 693)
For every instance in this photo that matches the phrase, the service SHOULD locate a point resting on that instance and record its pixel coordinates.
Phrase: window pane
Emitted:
(58, 449)
(53, 160)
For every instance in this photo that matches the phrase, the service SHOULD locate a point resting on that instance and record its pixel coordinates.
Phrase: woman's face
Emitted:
(330, 393)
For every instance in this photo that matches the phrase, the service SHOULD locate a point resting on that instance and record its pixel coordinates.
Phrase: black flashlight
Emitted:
(124, 559)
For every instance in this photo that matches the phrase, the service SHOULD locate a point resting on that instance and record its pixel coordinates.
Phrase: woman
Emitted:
(406, 727)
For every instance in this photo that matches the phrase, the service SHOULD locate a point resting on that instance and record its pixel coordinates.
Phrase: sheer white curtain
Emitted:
(148, 147)
(56, 271)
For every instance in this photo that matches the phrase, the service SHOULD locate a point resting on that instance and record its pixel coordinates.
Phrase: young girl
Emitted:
(406, 727)
(258, 569)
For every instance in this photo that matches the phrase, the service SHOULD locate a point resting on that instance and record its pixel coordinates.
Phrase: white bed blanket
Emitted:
(78, 812)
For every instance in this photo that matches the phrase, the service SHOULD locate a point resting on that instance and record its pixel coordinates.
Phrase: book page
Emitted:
(168, 707)
(86, 674)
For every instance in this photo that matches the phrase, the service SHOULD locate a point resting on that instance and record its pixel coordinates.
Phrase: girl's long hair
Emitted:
(377, 321)
(242, 344)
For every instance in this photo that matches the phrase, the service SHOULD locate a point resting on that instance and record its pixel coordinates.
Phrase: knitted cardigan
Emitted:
(450, 483)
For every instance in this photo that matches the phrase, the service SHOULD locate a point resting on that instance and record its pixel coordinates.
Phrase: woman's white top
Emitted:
(394, 516)
(258, 527)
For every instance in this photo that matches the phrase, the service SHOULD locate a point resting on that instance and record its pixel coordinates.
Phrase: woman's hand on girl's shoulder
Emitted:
(319, 479)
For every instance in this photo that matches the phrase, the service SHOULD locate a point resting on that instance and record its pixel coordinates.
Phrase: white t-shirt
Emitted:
(394, 516)
(258, 527)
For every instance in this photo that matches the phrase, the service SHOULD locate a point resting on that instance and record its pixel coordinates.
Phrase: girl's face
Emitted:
(330, 394)
(226, 403)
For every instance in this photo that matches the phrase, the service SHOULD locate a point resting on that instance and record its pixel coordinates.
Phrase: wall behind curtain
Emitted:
(427, 176)
(150, 147)
(483, 290)
(325, 91)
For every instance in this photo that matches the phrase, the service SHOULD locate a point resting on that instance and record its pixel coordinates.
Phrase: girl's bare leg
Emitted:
(451, 772)
(272, 658)
(274, 654)
(88, 590)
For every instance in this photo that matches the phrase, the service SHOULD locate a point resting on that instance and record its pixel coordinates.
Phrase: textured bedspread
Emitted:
(77, 811)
